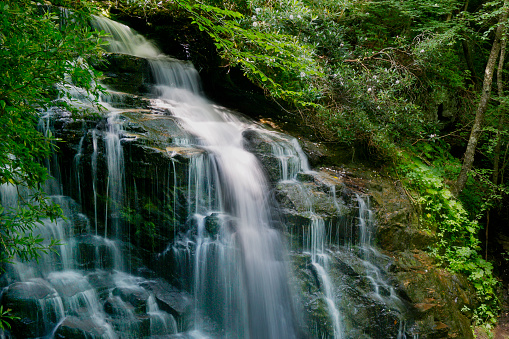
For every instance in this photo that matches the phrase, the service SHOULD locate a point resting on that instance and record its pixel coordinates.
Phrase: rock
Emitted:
(96, 252)
(125, 73)
(77, 328)
(36, 306)
(136, 296)
(102, 282)
(169, 298)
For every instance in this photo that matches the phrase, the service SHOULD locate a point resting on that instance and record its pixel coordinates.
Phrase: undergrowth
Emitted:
(457, 245)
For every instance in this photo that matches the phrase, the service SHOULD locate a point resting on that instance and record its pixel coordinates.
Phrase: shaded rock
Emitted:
(125, 73)
(137, 297)
(215, 221)
(102, 282)
(169, 298)
(36, 305)
(96, 252)
(77, 328)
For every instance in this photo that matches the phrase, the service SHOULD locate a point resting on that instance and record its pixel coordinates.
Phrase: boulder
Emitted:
(78, 328)
(36, 306)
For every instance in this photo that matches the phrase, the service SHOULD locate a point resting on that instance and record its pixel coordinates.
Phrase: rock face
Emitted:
(438, 296)
(351, 273)
(35, 306)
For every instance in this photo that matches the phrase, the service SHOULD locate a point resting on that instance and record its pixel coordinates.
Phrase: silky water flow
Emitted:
(237, 271)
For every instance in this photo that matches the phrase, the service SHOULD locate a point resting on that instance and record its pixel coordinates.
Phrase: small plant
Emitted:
(457, 246)
(6, 317)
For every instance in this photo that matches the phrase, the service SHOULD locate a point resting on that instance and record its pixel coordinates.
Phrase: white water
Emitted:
(235, 258)
(69, 270)
(239, 274)
(316, 244)
(382, 290)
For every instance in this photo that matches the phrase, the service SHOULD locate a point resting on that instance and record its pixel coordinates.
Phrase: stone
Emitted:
(77, 328)
(137, 297)
(36, 306)
(169, 298)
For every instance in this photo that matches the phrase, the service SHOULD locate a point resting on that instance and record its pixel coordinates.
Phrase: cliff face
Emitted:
(396, 288)
(352, 246)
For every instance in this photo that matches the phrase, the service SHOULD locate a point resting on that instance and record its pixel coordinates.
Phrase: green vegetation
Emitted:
(40, 47)
(458, 246)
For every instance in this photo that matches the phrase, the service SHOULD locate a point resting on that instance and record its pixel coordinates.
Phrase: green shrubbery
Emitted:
(38, 45)
(458, 245)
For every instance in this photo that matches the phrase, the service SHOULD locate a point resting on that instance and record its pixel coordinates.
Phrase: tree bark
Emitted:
(500, 87)
(501, 112)
(468, 158)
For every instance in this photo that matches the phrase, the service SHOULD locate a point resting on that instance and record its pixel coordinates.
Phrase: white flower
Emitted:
(422, 51)
(374, 76)
(377, 107)
(341, 45)
(298, 16)
(397, 82)
(253, 17)
(369, 89)
(302, 74)
(291, 16)
(258, 10)
(255, 24)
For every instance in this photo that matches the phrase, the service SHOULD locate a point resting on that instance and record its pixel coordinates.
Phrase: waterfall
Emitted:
(239, 275)
(316, 242)
(225, 269)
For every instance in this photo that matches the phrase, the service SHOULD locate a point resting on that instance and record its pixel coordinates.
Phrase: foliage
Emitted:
(279, 63)
(5, 317)
(457, 246)
(37, 47)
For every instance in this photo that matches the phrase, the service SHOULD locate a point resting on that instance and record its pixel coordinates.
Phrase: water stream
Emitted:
(229, 252)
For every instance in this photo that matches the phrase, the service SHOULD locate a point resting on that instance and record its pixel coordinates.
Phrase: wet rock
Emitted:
(137, 297)
(169, 298)
(255, 143)
(102, 282)
(36, 306)
(124, 100)
(125, 73)
(318, 322)
(96, 252)
(215, 221)
(78, 328)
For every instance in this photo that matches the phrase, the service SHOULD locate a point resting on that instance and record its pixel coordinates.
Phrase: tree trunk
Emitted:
(468, 158)
(501, 112)
(500, 87)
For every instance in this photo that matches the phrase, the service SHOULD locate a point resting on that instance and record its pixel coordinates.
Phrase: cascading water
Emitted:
(239, 273)
(382, 290)
(320, 261)
(224, 243)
